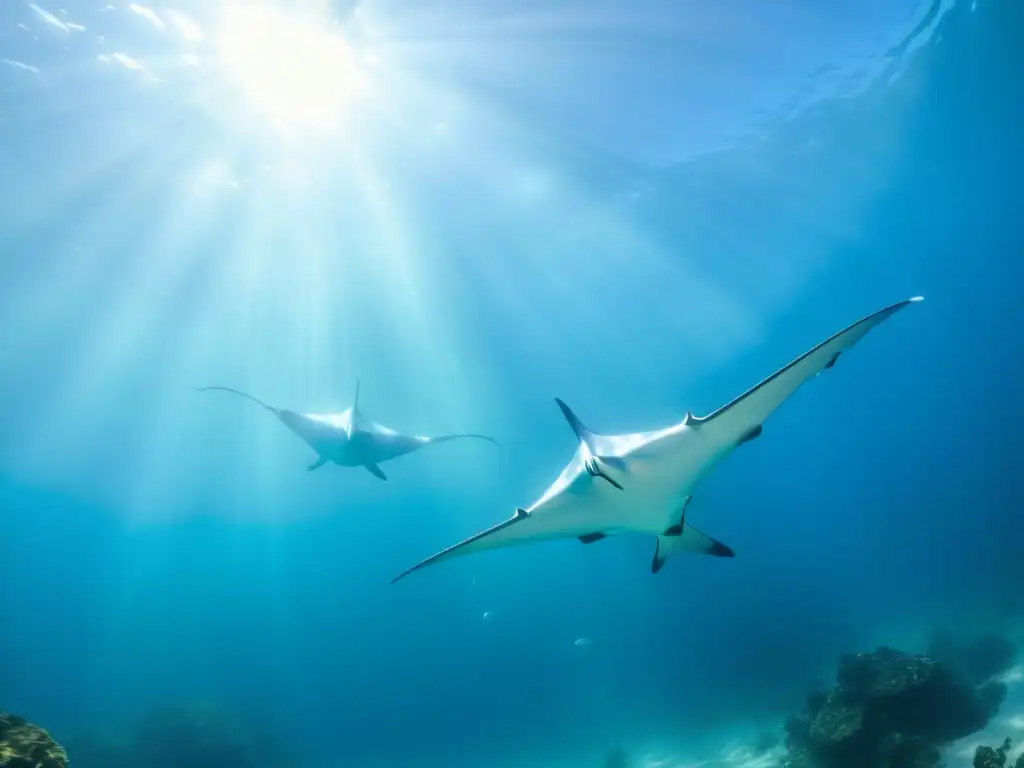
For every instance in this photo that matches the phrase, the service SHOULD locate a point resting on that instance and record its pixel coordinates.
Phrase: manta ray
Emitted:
(643, 482)
(349, 439)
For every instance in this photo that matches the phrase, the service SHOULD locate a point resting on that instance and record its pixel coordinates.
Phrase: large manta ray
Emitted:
(348, 438)
(642, 482)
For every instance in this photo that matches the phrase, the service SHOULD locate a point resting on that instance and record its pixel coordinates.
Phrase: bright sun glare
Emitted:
(300, 74)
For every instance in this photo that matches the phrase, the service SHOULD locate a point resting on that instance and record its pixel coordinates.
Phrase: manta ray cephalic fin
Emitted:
(593, 461)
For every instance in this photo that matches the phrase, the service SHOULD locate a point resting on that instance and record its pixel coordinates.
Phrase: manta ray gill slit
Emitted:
(593, 467)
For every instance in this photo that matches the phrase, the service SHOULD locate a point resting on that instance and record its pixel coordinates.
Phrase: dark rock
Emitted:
(910, 752)
(987, 757)
(23, 745)
(837, 723)
(886, 672)
(889, 709)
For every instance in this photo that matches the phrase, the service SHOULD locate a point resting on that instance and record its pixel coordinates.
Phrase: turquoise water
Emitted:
(472, 209)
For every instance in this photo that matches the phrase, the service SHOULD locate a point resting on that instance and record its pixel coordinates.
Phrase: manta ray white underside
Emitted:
(642, 482)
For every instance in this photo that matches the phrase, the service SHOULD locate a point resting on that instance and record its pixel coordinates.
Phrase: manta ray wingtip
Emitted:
(718, 549)
(916, 298)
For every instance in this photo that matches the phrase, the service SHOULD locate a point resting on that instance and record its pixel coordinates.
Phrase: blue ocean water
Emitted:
(642, 209)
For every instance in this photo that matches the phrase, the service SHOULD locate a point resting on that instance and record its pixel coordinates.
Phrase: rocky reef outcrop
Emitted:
(891, 709)
(23, 745)
(995, 757)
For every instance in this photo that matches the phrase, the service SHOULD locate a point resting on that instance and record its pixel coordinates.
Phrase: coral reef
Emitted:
(891, 709)
(987, 757)
(23, 745)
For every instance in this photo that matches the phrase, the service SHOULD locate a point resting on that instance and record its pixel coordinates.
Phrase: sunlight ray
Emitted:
(101, 154)
(71, 274)
(236, 340)
(128, 326)
(403, 287)
(324, 274)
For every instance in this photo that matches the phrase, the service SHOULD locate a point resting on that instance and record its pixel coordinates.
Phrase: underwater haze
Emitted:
(469, 209)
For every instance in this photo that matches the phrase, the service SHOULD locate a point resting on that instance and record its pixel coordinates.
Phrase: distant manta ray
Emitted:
(642, 482)
(348, 438)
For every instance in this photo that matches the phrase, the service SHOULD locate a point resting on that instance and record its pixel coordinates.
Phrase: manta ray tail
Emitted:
(246, 395)
(355, 400)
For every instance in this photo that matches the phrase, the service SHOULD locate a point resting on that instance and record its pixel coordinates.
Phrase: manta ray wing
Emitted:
(492, 538)
(335, 423)
(674, 457)
(317, 430)
(571, 507)
(307, 426)
(386, 443)
(741, 419)
(239, 393)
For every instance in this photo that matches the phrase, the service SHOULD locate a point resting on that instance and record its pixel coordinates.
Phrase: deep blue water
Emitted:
(641, 209)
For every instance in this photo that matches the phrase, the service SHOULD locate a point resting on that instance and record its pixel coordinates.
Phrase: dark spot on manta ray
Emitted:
(590, 538)
(750, 434)
(832, 362)
(674, 530)
(718, 549)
